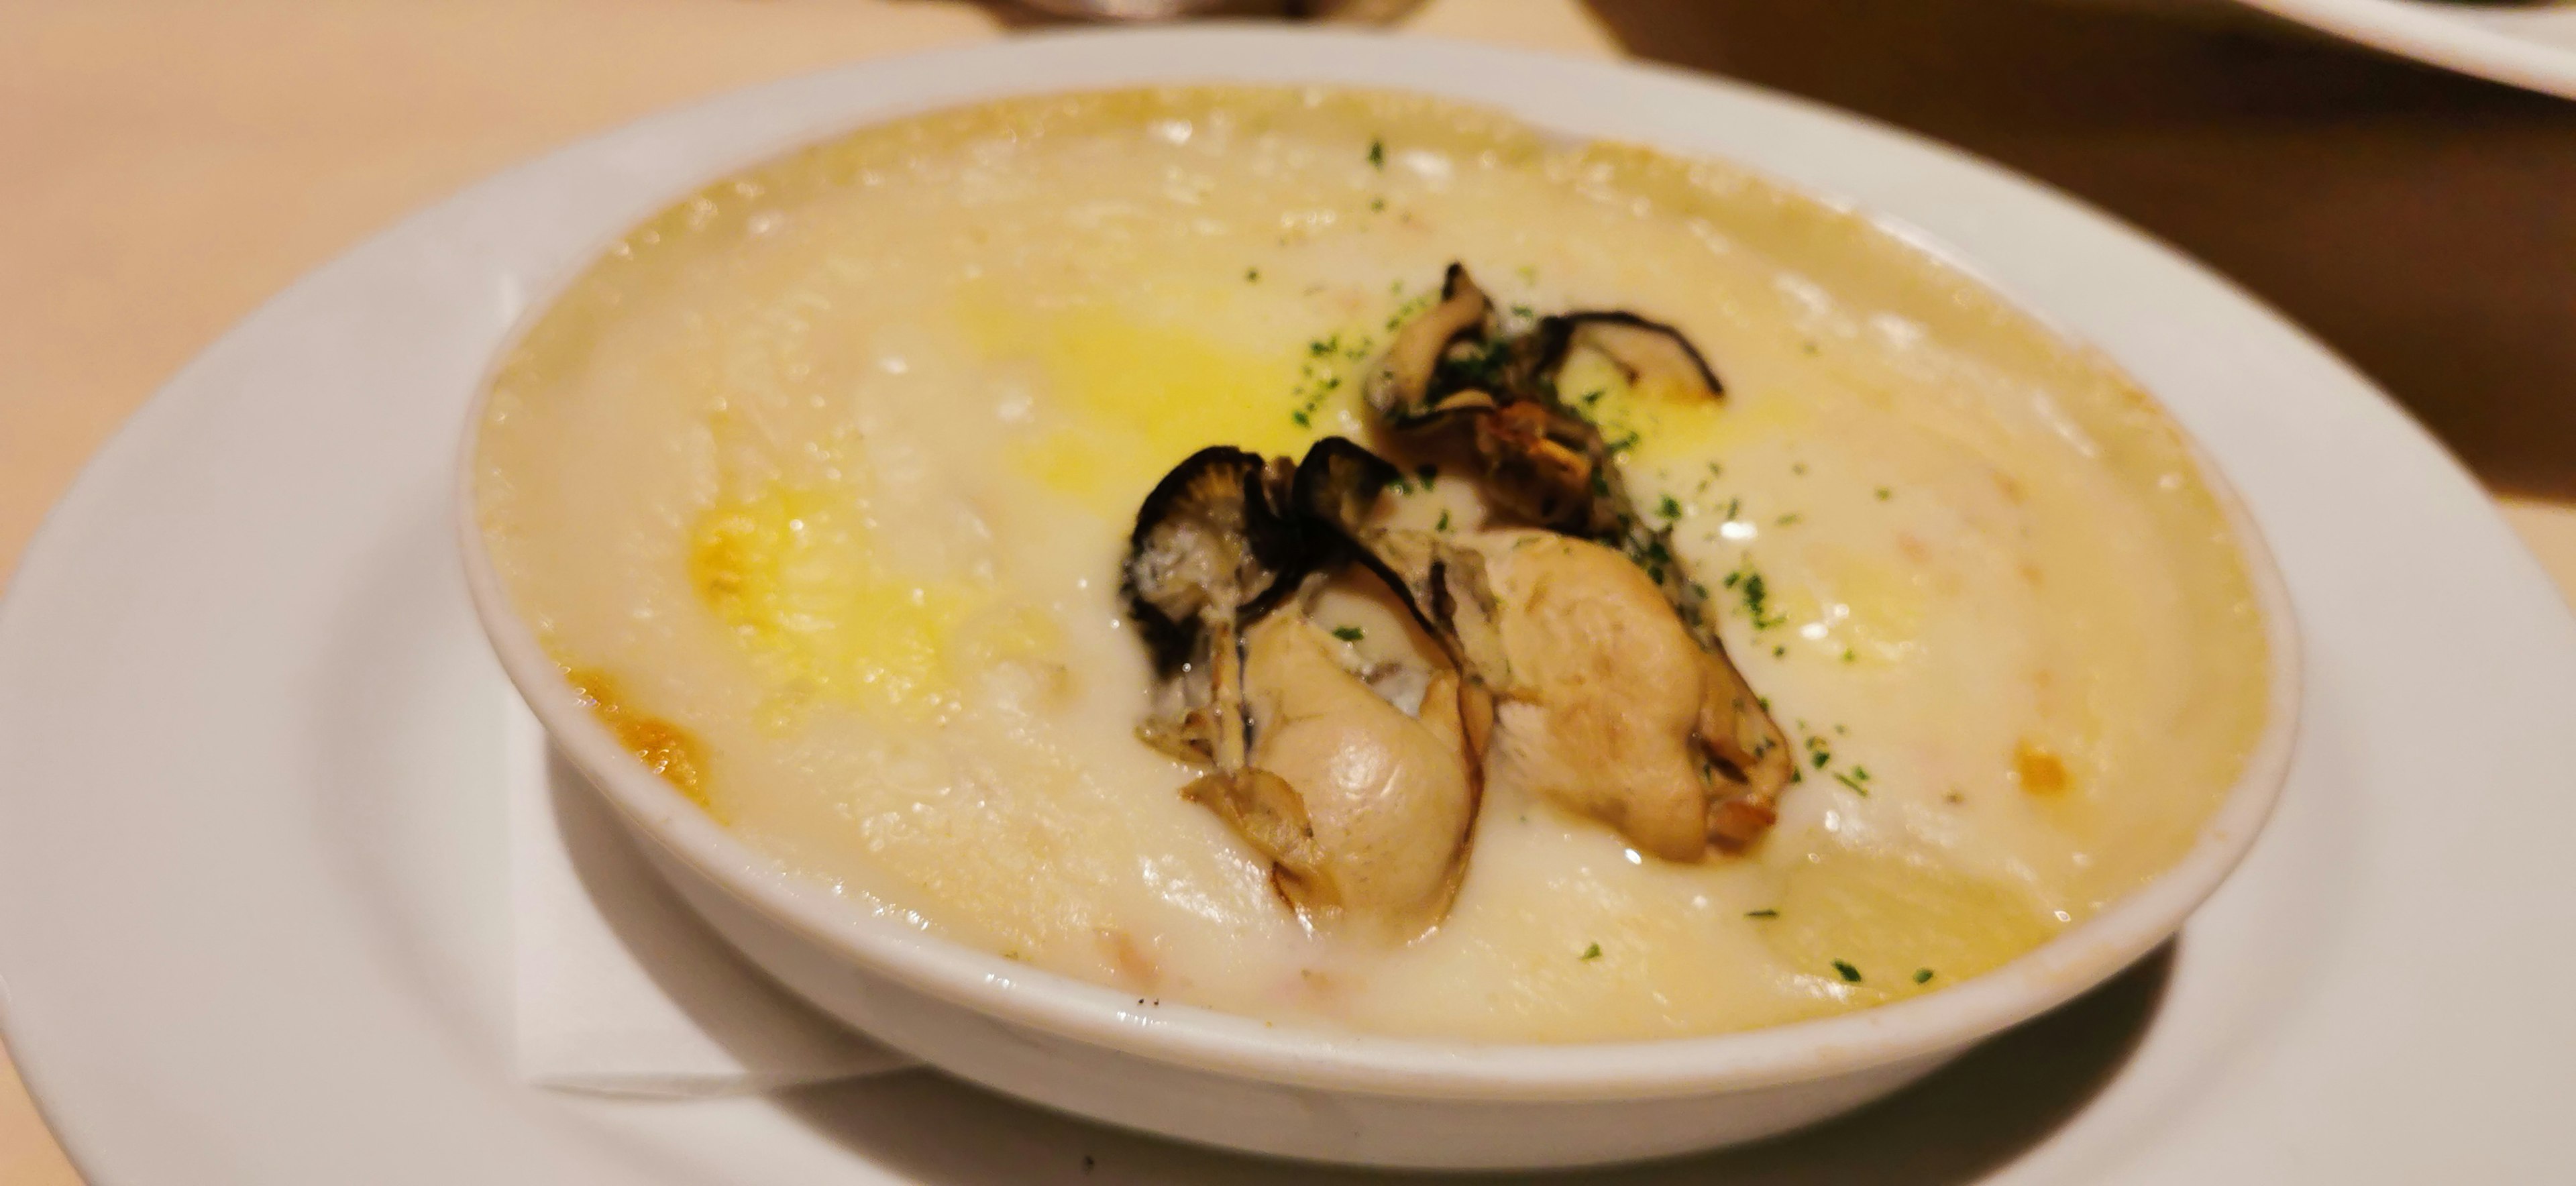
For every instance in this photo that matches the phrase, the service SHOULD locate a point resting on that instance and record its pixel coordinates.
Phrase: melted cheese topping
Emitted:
(821, 480)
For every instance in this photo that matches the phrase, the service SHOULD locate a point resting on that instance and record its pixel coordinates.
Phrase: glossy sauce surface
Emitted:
(828, 470)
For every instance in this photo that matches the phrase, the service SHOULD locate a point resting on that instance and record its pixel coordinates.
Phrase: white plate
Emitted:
(2528, 43)
(251, 855)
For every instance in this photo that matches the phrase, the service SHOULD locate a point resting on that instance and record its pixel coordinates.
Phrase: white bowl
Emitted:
(1241, 1083)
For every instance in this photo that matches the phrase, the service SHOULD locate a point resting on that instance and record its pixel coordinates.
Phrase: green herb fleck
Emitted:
(1779, 652)
(1252, 275)
(1850, 655)
(1524, 312)
(1734, 508)
(1850, 974)
(1301, 418)
(1809, 347)
(1763, 913)
(1922, 975)
(1799, 468)
(1349, 633)
(1377, 154)
(1593, 952)
(1427, 473)
(1789, 520)
(1527, 272)
(1377, 204)
(1443, 524)
(1757, 598)
(1669, 508)
(1853, 783)
(1884, 494)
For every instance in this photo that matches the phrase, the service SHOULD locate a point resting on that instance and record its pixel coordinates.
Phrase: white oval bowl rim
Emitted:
(1934, 1023)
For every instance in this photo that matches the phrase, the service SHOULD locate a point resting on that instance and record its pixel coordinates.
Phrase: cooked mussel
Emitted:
(1615, 710)
(1613, 693)
(1211, 550)
(1417, 381)
(1353, 777)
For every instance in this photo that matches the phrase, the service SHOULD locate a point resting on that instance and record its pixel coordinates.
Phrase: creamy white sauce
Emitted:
(823, 477)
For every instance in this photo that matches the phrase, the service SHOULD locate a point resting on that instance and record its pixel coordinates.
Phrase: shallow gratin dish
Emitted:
(1238, 1082)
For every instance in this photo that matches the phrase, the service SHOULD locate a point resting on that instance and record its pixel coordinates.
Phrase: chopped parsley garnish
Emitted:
(1763, 913)
(1789, 520)
(1349, 633)
(1922, 975)
(1527, 272)
(1747, 582)
(1443, 524)
(1850, 655)
(1780, 652)
(1734, 509)
(1377, 154)
(1854, 783)
(1850, 974)
(1593, 952)
(1427, 473)
(1809, 347)
(1524, 312)
(1669, 508)
(1799, 468)
(1252, 275)
(1884, 494)
(1376, 204)
(1301, 418)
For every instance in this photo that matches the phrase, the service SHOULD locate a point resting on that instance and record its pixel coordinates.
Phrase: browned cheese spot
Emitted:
(665, 748)
(2041, 772)
(1132, 967)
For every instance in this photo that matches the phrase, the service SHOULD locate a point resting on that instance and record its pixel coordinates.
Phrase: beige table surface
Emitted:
(165, 166)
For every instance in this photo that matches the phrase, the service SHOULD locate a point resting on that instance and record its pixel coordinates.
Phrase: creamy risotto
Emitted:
(829, 488)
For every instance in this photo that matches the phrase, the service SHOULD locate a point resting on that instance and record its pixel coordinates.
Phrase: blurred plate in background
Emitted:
(2525, 43)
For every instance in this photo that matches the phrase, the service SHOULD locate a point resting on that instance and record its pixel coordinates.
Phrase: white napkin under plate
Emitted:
(621, 990)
